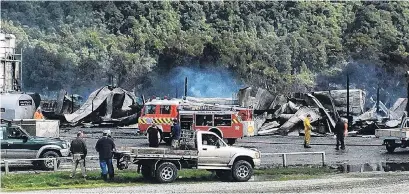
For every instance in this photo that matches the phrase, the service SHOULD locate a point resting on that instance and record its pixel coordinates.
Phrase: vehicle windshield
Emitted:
(24, 131)
(150, 109)
(16, 132)
(212, 140)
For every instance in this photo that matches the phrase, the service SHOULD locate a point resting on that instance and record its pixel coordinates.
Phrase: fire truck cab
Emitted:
(161, 113)
(227, 122)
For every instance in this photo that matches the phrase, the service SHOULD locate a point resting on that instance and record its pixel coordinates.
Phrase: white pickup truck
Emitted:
(198, 150)
(402, 141)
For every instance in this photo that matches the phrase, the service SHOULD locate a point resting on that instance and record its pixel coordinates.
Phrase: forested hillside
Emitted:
(281, 46)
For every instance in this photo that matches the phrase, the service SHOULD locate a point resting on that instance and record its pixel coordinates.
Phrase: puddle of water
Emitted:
(370, 167)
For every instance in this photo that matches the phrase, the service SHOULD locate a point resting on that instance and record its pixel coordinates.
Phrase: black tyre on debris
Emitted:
(49, 164)
(166, 172)
(390, 148)
(242, 171)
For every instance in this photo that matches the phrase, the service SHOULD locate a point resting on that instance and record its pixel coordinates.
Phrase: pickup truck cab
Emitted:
(198, 150)
(392, 143)
(16, 143)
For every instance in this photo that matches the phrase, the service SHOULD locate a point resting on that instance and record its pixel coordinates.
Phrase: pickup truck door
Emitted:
(405, 128)
(3, 142)
(17, 147)
(213, 151)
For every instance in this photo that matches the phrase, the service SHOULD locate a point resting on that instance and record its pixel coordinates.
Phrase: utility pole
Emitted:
(349, 122)
(185, 86)
(377, 99)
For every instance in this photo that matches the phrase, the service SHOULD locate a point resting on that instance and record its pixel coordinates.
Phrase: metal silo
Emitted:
(16, 106)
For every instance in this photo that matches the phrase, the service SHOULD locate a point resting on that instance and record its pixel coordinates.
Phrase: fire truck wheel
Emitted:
(231, 141)
(217, 132)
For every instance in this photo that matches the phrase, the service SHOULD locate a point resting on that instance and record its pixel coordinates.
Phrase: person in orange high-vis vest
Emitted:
(38, 114)
(307, 131)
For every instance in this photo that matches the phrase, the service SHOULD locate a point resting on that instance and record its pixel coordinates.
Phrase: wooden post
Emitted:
(55, 164)
(323, 158)
(6, 166)
(284, 160)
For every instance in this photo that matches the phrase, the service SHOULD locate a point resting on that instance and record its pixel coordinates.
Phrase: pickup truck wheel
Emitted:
(242, 171)
(48, 164)
(146, 172)
(166, 172)
(390, 148)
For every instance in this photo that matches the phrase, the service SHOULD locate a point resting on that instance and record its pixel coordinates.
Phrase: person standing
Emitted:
(175, 130)
(38, 115)
(79, 152)
(105, 146)
(153, 131)
(341, 130)
(307, 131)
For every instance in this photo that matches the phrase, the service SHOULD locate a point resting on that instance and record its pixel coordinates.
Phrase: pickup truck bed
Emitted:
(163, 153)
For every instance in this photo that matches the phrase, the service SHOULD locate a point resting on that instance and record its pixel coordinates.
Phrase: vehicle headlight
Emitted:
(257, 155)
(64, 145)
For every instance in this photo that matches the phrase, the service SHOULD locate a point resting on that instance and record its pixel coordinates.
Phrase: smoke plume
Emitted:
(202, 82)
(368, 77)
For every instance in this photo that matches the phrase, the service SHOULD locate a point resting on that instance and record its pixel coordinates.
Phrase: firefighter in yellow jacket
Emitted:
(307, 131)
(38, 115)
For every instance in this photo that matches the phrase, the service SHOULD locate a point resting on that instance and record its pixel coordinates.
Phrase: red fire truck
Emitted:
(228, 122)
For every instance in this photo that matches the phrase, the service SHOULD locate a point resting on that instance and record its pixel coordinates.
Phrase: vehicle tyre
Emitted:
(390, 148)
(160, 137)
(231, 141)
(224, 175)
(146, 172)
(242, 171)
(166, 172)
(36, 164)
(48, 164)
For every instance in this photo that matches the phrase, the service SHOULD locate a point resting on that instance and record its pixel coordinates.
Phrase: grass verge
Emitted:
(61, 180)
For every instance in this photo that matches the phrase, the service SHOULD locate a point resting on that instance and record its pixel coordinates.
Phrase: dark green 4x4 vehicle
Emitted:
(16, 143)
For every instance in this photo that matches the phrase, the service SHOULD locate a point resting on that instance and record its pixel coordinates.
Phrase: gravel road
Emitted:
(356, 183)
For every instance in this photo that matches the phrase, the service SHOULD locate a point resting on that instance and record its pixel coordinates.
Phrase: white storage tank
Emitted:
(16, 106)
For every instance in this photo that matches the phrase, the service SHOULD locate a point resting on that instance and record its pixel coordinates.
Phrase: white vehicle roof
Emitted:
(163, 102)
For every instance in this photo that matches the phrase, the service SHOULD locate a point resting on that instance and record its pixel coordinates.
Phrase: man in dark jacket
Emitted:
(105, 146)
(153, 131)
(79, 152)
(341, 130)
(175, 130)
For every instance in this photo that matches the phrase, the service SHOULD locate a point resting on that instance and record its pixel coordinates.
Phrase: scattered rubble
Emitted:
(284, 115)
(107, 105)
(64, 104)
